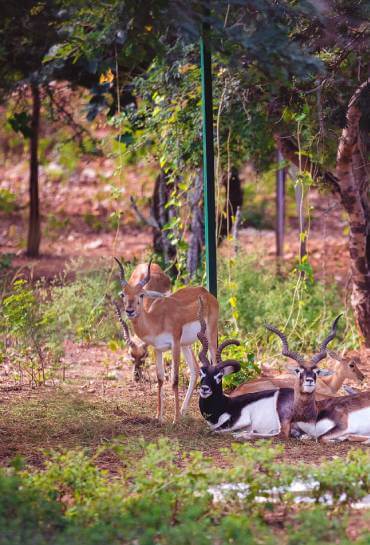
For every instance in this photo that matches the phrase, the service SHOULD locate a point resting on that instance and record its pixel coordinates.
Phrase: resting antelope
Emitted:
(169, 323)
(160, 282)
(336, 419)
(259, 414)
(326, 386)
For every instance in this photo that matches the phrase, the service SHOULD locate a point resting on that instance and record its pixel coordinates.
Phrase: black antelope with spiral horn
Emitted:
(336, 419)
(259, 414)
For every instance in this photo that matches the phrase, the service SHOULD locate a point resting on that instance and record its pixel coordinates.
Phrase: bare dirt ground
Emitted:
(98, 401)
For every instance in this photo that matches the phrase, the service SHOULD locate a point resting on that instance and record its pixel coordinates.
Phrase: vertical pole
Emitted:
(208, 160)
(280, 211)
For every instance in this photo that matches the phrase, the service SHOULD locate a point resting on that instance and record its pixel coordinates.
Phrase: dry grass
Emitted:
(94, 413)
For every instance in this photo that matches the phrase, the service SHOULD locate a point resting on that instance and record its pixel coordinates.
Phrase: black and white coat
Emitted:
(265, 414)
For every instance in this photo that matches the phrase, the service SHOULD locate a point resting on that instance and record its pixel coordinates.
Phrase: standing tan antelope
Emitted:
(326, 386)
(336, 419)
(170, 323)
(159, 281)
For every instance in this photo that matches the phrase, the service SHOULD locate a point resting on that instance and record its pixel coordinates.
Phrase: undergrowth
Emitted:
(252, 295)
(249, 294)
(168, 497)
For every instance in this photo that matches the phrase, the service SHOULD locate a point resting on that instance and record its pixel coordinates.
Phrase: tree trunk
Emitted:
(34, 231)
(162, 214)
(353, 177)
(196, 238)
(280, 212)
(233, 200)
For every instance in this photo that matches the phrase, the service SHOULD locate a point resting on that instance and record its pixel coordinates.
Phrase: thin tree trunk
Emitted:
(162, 215)
(234, 198)
(353, 178)
(280, 212)
(299, 201)
(34, 231)
(197, 227)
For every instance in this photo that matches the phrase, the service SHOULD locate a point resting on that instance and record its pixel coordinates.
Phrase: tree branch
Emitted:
(290, 151)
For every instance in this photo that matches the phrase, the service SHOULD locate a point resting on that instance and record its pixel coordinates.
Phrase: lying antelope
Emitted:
(326, 386)
(170, 323)
(336, 419)
(259, 414)
(160, 282)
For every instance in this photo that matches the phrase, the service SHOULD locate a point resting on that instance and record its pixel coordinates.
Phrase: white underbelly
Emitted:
(359, 421)
(260, 416)
(189, 333)
(164, 341)
(316, 429)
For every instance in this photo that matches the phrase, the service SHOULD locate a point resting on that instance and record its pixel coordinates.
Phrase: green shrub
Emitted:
(254, 295)
(7, 201)
(79, 309)
(25, 338)
(314, 527)
(163, 496)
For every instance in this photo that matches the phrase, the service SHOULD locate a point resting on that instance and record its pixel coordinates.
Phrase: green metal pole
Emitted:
(208, 161)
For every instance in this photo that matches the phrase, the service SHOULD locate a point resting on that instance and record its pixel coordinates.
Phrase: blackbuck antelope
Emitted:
(336, 419)
(160, 282)
(138, 350)
(326, 386)
(170, 323)
(259, 414)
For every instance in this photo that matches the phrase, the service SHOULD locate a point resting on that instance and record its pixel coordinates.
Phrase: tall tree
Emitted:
(353, 168)
(28, 31)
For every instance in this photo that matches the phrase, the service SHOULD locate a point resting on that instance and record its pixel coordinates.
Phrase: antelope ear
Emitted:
(324, 372)
(229, 366)
(153, 294)
(293, 369)
(350, 391)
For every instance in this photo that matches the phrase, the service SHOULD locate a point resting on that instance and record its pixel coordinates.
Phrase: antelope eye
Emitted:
(121, 294)
(141, 295)
(352, 365)
(297, 371)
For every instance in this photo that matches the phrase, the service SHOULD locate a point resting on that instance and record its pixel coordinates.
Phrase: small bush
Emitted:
(305, 309)
(79, 309)
(7, 201)
(25, 338)
(163, 497)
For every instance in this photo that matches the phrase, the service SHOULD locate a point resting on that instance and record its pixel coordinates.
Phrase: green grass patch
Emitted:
(167, 496)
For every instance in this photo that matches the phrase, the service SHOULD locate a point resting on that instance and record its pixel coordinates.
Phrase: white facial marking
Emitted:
(218, 377)
(205, 391)
(308, 388)
(202, 373)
